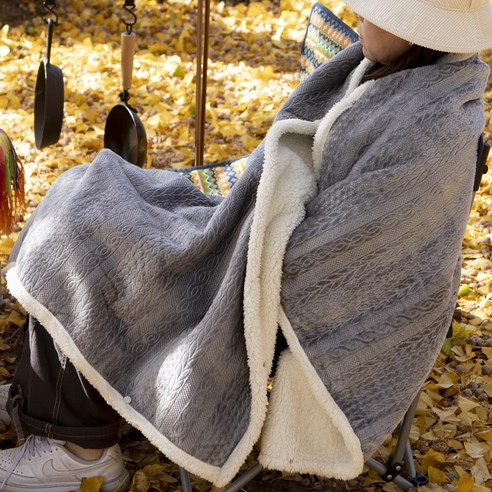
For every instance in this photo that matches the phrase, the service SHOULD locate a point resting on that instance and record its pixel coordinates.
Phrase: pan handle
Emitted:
(49, 39)
(128, 43)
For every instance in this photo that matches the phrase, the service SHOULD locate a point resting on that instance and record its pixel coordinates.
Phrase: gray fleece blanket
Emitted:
(345, 231)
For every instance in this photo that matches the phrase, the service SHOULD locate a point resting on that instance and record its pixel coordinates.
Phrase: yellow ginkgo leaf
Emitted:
(91, 484)
(437, 476)
(465, 484)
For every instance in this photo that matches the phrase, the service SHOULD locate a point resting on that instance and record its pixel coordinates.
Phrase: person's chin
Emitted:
(366, 53)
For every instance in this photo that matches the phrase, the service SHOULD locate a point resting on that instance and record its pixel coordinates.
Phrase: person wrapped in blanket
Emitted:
(153, 302)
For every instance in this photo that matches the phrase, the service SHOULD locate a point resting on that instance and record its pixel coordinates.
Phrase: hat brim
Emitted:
(451, 31)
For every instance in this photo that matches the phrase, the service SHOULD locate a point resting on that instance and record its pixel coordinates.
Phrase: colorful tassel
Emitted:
(11, 185)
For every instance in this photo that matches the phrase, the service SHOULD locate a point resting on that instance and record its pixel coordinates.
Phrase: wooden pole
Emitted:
(202, 42)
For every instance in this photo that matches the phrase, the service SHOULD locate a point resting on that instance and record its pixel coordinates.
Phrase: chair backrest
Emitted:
(325, 36)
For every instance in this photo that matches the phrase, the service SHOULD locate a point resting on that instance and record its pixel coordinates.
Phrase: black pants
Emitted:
(50, 398)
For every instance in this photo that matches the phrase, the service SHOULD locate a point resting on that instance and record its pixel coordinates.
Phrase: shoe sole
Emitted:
(119, 484)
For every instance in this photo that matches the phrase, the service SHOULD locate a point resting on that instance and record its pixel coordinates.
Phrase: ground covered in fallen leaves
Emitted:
(253, 66)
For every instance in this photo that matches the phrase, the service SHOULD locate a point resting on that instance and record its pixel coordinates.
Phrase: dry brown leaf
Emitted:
(140, 482)
(480, 471)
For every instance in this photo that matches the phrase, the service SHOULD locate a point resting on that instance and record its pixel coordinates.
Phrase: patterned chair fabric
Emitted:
(325, 36)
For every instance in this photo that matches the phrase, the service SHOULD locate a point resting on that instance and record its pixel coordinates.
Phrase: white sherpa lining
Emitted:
(305, 430)
(286, 183)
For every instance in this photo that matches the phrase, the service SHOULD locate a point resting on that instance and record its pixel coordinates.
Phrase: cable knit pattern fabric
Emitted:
(168, 300)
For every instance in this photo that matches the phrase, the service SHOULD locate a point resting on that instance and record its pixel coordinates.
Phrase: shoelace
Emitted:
(32, 446)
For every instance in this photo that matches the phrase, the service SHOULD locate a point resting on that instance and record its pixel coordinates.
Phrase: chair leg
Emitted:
(246, 477)
(382, 470)
(403, 454)
(185, 480)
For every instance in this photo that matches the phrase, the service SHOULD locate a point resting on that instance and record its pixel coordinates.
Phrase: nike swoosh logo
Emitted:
(49, 470)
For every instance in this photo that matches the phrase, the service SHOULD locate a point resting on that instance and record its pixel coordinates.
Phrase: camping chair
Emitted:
(325, 36)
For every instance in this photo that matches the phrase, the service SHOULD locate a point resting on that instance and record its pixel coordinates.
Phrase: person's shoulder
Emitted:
(461, 78)
(469, 65)
(463, 60)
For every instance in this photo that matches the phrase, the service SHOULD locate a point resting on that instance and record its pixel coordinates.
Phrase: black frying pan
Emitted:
(124, 133)
(49, 97)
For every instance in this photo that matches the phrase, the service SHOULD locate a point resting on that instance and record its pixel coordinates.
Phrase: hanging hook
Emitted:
(129, 5)
(50, 6)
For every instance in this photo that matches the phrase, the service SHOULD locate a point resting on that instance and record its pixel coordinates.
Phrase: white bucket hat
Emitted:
(453, 26)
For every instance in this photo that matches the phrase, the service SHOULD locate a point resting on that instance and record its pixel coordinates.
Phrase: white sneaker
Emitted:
(45, 465)
(4, 396)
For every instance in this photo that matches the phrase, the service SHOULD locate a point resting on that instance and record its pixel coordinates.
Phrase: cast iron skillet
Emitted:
(124, 133)
(49, 97)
